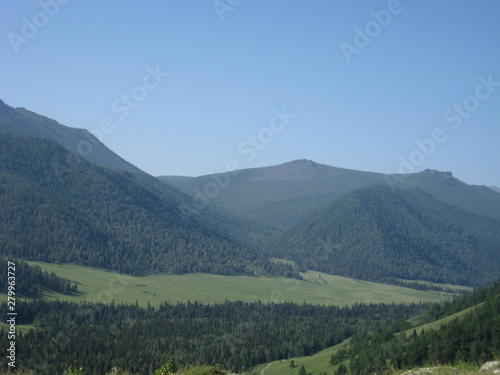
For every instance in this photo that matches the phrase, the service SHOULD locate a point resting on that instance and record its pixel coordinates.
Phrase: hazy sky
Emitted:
(195, 87)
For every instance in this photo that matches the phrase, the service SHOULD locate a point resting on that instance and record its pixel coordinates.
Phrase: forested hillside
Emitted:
(51, 211)
(473, 337)
(85, 146)
(21, 121)
(235, 335)
(379, 234)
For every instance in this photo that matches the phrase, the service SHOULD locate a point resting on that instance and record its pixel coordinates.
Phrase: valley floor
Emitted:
(315, 288)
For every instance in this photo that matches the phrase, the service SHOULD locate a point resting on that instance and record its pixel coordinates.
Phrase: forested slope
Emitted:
(235, 335)
(474, 337)
(378, 234)
(82, 213)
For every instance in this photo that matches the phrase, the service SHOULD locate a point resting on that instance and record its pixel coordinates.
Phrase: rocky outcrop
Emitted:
(492, 367)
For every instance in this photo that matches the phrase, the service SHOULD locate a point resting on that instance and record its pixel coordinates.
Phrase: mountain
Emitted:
(281, 196)
(23, 122)
(55, 212)
(278, 196)
(377, 233)
(82, 144)
(494, 188)
(479, 200)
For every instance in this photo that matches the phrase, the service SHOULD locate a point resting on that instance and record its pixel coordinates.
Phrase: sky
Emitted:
(192, 87)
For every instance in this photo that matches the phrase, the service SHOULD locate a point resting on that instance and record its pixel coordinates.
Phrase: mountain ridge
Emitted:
(80, 141)
(285, 194)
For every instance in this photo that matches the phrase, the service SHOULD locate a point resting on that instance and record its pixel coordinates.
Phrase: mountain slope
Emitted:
(283, 195)
(471, 337)
(89, 215)
(23, 122)
(20, 121)
(377, 233)
(279, 196)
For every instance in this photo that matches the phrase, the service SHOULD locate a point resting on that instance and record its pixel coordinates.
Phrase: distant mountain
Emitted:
(283, 195)
(377, 233)
(494, 188)
(278, 196)
(55, 212)
(480, 200)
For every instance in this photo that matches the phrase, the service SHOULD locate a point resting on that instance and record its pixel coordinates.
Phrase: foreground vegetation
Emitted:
(234, 335)
(455, 337)
(169, 368)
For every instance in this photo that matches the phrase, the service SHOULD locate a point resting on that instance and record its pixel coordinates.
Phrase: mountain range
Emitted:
(65, 197)
(283, 195)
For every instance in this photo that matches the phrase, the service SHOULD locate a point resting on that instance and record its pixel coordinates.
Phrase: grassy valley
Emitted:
(96, 285)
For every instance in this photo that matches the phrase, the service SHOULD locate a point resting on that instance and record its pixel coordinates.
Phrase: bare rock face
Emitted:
(491, 366)
(425, 370)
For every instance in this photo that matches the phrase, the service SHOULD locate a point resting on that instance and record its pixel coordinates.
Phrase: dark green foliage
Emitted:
(302, 370)
(340, 356)
(74, 371)
(20, 121)
(31, 281)
(474, 337)
(380, 234)
(234, 335)
(169, 368)
(54, 212)
(341, 370)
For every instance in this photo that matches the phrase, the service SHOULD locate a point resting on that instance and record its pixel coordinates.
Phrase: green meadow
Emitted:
(316, 288)
(315, 364)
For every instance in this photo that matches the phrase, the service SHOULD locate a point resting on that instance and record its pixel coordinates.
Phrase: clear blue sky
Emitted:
(359, 81)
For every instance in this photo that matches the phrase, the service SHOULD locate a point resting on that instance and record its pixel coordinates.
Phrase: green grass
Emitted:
(438, 323)
(444, 286)
(317, 288)
(19, 327)
(315, 364)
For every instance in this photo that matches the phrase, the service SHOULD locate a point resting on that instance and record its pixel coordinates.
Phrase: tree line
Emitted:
(232, 335)
(32, 281)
